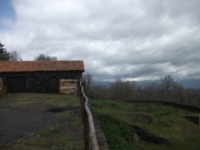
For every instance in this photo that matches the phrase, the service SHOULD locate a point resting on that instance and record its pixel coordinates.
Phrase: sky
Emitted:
(127, 39)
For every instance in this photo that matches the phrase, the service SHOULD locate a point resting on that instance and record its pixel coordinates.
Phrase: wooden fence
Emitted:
(90, 132)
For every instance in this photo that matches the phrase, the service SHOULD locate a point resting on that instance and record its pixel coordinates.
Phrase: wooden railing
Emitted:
(90, 132)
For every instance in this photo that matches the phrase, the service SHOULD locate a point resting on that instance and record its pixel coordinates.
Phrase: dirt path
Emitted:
(24, 122)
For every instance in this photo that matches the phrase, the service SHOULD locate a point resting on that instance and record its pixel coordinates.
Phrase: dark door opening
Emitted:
(54, 85)
(16, 84)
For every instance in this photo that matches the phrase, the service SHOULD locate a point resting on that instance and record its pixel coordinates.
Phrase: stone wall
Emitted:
(194, 119)
(148, 136)
(40, 81)
(178, 105)
(102, 141)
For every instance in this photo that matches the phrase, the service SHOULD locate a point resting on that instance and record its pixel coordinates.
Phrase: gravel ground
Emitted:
(16, 122)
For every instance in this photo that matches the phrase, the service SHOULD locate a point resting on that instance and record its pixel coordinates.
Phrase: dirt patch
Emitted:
(15, 122)
(61, 109)
(56, 110)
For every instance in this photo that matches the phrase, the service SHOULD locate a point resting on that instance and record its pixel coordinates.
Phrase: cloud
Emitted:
(131, 39)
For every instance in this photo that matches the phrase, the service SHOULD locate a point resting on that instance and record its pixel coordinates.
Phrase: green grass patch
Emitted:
(164, 120)
(117, 132)
(54, 131)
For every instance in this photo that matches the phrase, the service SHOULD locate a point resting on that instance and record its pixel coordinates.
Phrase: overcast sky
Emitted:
(130, 39)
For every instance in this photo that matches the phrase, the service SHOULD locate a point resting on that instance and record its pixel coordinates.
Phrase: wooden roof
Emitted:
(30, 66)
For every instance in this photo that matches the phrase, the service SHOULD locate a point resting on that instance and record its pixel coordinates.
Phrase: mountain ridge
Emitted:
(189, 83)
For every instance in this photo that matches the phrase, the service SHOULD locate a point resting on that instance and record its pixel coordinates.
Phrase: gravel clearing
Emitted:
(16, 122)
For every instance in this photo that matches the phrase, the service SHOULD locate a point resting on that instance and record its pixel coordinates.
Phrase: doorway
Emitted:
(54, 85)
(16, 84)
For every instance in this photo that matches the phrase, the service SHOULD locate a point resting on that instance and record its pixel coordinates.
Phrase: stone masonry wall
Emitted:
(40, 81)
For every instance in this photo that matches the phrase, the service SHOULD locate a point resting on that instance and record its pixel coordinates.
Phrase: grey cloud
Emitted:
(131, 39)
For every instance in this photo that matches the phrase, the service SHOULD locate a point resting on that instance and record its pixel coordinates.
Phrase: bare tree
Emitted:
(43, 57)
(14, 56)
(198, 96)
(122, 90)
(190, 95)
(150, 90)
(88, 81)
(167, 84)
(179, 92)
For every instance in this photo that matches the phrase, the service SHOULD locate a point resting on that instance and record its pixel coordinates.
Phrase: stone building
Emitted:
(38, 76)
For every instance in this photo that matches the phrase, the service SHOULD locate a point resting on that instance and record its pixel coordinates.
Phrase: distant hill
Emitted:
(190, 83)
(106, 84)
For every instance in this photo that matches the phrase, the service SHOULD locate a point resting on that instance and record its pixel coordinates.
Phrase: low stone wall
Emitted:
(102, 141)
(182, 106)
(147, 136)
(193, 119)
(68, 86)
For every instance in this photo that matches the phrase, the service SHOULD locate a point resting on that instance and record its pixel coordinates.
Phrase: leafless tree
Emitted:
(179, 92)
(190, 95)
(88, 81)
(43, 57)
(122, 90)
(167, 84)
(14, 56)
(150, 90)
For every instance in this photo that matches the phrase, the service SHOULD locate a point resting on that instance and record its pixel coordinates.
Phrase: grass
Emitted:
(54, 131)
(27, 99)
(165, 121)
(118, 132)
(65, 136)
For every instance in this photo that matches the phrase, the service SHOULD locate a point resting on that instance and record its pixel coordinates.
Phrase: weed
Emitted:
(163, 114)
(54, 131)
(113, 105)
(117, 132)
(63, 143)
(165, 123)
(149, 109)
(96, 104)
(72, 119)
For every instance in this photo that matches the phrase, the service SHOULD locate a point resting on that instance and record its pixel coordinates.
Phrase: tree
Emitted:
(150, 90)
(190, 95)
(4, 55)
(122, 90)
(179, 92)
(43, 57)
(14, 56)
(88, 81)
(167, 84)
